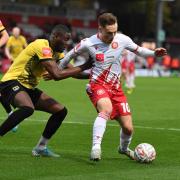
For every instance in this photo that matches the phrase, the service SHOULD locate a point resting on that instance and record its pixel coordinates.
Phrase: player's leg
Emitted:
(6, 105)
(128, 83)
(25, 108)
(104, 107)
(126, 132)
(133, 80)
(121, 113)
(58, 113)
(100, 98)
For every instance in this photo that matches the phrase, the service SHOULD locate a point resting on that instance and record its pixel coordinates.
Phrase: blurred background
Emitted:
(150, 23)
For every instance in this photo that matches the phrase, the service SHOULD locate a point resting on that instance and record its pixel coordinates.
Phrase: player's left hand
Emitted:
(160, 52)
(47, 77)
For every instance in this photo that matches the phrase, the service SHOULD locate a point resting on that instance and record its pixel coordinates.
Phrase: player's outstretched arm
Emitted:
(81, 75)
(57, 74)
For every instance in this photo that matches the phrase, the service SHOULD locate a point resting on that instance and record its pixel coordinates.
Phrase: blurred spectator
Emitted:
(175, 66)
(15, 44)
(150, 62)
(128, 70)
(166, 62)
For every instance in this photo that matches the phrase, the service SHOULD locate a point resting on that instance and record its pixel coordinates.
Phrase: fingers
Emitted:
(160, 52)
(47, 77)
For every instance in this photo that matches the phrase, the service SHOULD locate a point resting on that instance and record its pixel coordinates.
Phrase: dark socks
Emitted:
(15, 118)
(6, 105)
(54, 123)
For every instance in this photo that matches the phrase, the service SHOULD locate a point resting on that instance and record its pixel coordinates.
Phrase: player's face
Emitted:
(16, 31)
(107, 33)
(59, 42)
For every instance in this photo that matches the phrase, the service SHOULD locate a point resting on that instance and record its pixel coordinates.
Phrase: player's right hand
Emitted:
(47, 77)
(87, 65)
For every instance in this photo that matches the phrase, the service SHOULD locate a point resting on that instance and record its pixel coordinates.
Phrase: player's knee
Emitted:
(128, 130)
(104, 115)
(106, 111)
(105, 107)
(61, 114)
(28, 111)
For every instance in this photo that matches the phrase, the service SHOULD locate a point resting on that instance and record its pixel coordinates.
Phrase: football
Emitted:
(144, 153)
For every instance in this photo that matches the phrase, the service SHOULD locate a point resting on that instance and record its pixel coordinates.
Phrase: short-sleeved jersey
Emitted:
(107, 57)
(27, 68)
(16, 45)
(1, 26)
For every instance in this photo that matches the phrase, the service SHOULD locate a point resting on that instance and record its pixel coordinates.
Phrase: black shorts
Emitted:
(9, 89)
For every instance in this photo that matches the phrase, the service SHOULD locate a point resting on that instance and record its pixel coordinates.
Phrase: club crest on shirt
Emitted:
(100, 92)
(114, 45)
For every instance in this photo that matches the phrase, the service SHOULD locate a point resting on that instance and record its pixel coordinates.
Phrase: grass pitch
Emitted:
(155, 106)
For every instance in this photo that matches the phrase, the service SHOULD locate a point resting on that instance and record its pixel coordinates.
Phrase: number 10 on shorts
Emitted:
(125, 107)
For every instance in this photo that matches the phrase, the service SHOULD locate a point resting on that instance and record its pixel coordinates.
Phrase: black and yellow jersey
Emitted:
(27, 68)
(1, 26)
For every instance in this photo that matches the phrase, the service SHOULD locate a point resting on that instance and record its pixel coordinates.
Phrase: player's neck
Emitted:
(99, 35)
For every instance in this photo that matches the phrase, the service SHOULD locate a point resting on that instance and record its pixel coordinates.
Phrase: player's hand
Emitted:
(47, 77)
(87, 65)
(160, 52)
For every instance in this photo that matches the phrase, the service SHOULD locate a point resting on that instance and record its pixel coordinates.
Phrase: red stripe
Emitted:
(135, 51)
(104, 115)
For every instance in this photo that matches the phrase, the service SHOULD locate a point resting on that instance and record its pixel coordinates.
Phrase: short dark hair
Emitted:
(106, 18)
(60, 28)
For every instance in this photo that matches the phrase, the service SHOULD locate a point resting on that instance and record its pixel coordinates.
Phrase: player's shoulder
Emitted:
(41, 42)
(11, 38)
(85, 41)
(93, 40)
(122, 36)
(39, 45)
(22, 37)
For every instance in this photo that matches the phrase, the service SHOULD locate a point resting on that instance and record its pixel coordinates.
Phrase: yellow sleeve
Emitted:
(61, 55)
(1, 26)
(43, 51)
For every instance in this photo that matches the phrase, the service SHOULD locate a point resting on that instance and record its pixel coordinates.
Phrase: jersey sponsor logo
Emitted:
(46, 52)
(100, 57)
(114, 45)
(100, 92)
(15, 88)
